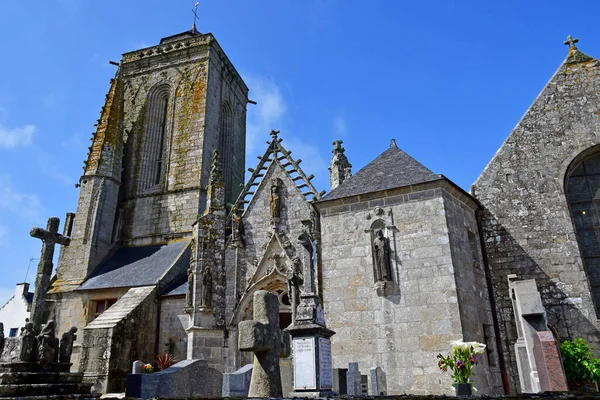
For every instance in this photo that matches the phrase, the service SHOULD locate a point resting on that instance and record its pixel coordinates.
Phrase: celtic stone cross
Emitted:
(49, 237)
(263, 337)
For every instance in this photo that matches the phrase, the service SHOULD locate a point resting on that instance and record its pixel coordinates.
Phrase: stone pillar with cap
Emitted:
(311, 345)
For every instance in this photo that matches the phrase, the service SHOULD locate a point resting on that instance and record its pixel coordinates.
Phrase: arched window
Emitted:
(583, 195)
(226, 148)
(154, 137)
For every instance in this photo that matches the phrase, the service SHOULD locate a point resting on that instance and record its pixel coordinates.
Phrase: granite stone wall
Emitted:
(526, 223)
(172, 325)
(404, 328)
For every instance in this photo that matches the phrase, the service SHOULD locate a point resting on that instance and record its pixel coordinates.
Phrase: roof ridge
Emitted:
(393, 167)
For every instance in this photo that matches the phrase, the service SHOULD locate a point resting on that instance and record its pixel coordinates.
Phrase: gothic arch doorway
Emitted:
(276, 283)
(582, 189)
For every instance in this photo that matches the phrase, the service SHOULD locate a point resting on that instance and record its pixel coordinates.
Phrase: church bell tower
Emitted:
(168, 108)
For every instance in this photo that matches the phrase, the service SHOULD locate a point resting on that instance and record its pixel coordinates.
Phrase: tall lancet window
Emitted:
(583, 196)
(154, 140)
(226, 148)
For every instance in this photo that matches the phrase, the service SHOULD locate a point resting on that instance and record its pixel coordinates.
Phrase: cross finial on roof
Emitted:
(274, 133)
(195, 11)
(571, 42)
(337, 146)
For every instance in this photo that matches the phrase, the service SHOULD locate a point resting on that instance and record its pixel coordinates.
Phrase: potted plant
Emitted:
(582, 369)
(165, 360)
(460, 361)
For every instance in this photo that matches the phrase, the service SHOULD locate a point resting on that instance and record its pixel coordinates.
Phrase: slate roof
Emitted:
(178, 288)
(135, 266)
(391, 169)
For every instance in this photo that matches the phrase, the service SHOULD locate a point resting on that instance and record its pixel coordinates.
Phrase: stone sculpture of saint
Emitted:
(381, 250)
(275, 201)
(295, 280)
(237, 228)
(29, 341)
(189, 294)
(47, 343)
(207, 287)
(65, 348)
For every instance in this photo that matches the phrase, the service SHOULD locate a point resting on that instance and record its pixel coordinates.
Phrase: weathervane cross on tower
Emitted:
(195, 11)
(571, 42)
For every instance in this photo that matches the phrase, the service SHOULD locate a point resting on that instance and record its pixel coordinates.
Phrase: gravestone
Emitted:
(548, 362)
(364, 385)
(353, 380)
(531, 352)
(339, 380)
(268, 343)
(237, 384)
(50, 237)
(378, 382)
(137, 367)
(186, 379)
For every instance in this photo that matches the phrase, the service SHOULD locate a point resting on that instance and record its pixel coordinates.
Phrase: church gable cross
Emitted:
(571, 42)
(50, 237)
(268, 343)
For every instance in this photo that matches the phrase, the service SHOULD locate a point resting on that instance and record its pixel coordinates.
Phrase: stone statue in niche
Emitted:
(65, 348)
(237, 227)
(295, 280)
(207, 288)
(381, 253)
(189, 294)
(275, 200)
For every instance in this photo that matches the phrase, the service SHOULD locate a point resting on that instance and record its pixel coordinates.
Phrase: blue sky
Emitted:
(447, 79)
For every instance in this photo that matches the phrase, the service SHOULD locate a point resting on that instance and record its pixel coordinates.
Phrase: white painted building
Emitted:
(16, 310)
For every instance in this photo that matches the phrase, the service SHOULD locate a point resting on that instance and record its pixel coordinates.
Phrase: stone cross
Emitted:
(195, 11)
(263, 337)
(49, 237)
(571, 42)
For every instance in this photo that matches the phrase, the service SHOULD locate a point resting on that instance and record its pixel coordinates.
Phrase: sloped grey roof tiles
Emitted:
(391, 169)
(135, 266)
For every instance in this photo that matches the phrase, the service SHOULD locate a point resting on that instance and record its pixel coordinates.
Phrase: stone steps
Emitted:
(55, 397)
(47, 389)
(23, 378)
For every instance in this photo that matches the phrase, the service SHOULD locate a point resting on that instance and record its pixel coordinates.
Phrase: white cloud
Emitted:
(25, 205)
(340, 128)
(15, 137)
(267, 114)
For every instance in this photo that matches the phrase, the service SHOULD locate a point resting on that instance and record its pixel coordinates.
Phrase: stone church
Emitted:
(169, 244)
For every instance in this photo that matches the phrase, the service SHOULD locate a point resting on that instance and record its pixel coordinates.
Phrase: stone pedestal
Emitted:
(50, 380)
(311, 350)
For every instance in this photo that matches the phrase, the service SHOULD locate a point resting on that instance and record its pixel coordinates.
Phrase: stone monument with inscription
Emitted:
(311, 345)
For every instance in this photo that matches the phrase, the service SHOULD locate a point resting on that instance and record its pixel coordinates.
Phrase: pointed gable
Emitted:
(391, 169)
(563, 120)
(276, 152)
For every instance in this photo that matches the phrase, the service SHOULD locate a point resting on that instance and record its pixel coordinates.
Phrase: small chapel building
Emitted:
(169, 244)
